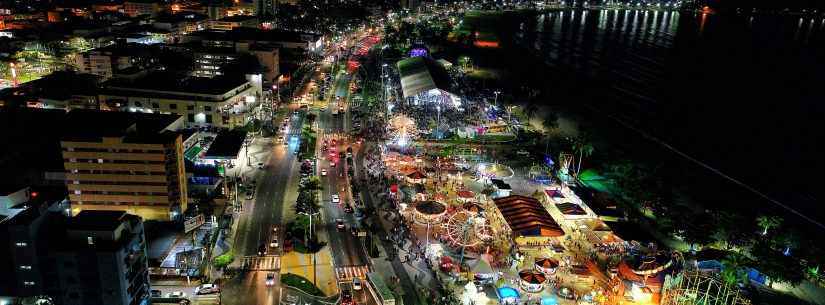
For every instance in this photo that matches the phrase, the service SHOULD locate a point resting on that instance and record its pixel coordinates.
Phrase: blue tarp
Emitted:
(507, 292)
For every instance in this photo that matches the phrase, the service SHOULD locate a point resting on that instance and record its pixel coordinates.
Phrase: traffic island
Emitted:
(301, 283)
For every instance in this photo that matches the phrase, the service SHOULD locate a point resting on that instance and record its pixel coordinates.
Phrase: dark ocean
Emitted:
(742, 94)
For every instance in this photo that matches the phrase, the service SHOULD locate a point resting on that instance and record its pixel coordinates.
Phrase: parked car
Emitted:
(176, 294)
(207, 289)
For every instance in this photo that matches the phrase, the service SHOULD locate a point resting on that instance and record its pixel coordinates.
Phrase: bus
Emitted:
(379, 289)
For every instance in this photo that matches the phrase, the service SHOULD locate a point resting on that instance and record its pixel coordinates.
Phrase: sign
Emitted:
(193, 223)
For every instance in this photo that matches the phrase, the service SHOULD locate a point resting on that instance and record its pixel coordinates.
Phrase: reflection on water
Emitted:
(714, 86)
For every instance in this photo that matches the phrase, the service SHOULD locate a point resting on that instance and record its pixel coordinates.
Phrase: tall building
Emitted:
(97, 257)
(125, 161)
(100, 259)
(264, 8)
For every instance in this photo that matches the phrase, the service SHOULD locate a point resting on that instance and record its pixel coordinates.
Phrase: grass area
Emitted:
(485, 73)
(308, 144)
(301, 283)
(224, 260)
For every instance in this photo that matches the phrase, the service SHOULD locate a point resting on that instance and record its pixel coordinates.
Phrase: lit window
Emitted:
(27, 283)
(21, 244)
(77, 192)
(25, 267)
(90, 240)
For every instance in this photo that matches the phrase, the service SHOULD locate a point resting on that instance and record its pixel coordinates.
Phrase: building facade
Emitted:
(134, 8)
(136, 165)
(101, 260)
(202, 102)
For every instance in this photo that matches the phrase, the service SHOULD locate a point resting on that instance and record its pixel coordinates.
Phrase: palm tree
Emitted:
(584, 149)
(768, 222)
(530, 111)
(732, 270)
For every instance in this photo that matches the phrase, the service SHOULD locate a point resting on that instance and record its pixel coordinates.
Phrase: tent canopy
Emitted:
(419, 75)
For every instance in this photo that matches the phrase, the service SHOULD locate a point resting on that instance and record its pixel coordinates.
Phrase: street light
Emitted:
(495, 102)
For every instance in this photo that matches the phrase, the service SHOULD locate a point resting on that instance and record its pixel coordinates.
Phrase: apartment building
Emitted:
(100, 259)
(218, 101)
(125, 161)
(232, 22)
(96, 257)
(134, 8)
(107, 61)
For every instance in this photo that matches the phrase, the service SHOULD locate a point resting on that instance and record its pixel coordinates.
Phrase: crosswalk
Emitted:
(347, 273)
(265, 263)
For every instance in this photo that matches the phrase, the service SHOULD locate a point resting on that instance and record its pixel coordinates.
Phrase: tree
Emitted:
(530, 111)
(733, 272)
(768, 222)
(583, 148)
(550, 120)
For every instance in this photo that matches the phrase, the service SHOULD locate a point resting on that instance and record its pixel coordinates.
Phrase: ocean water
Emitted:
(742, 94)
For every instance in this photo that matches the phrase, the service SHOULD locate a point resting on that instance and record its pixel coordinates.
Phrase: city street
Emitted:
(260, 214)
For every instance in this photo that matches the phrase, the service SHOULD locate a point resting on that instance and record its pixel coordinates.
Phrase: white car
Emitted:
(260, 165)
(176, 294)
(336, 199)
(356, 284)
(207, 289)
(323, 172)
(274, 243)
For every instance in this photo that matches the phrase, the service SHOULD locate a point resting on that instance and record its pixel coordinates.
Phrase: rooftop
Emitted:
(255, 34)
(227, 145)
(97, 220)
(420, 75)
(527, 217)
(135, 127)
(238, 18)
(174, 84)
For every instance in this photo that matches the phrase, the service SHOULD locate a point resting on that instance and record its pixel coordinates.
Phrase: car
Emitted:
(250, 195)
(335, 198)
(260, 165)
(262, 250)
(295, 152)
(281, 139)
(176, 294)
(274, 229)
(339, 223)
(270, 279)
(348, 209)
(323, 172)
(332, 164)
(346, 298)
(207, 289)
(356, 283)
(155, 293)
(274, 243)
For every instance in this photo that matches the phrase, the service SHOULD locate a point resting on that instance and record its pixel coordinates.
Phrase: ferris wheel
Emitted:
(467, 229)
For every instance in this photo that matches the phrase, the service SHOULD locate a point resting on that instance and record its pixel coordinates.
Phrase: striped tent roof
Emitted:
(527, 217)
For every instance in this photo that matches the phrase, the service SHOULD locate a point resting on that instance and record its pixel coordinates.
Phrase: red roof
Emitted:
(465, 194)
(527, 217)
